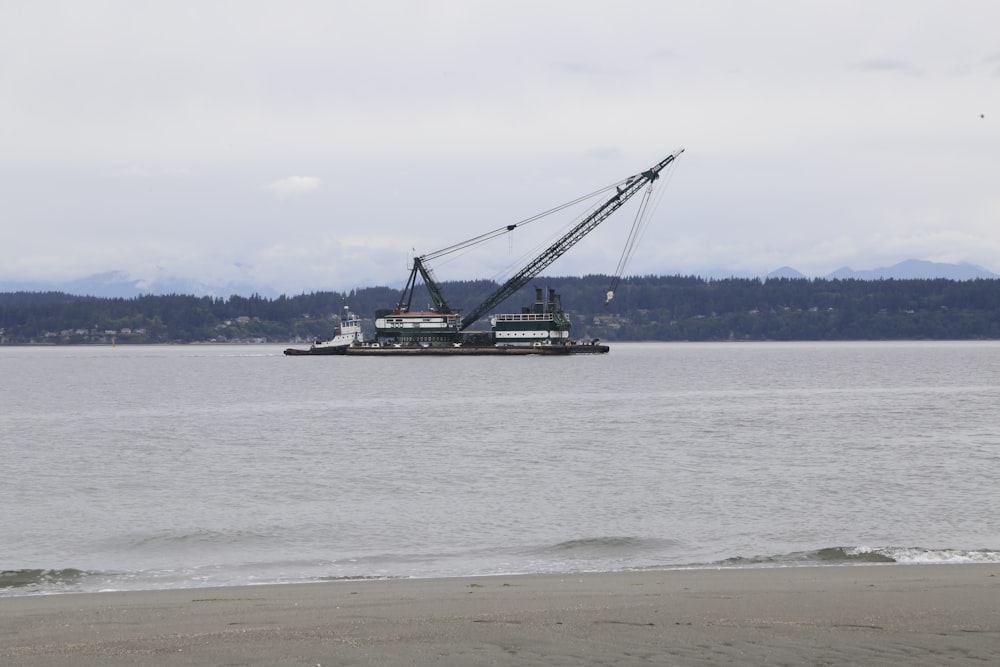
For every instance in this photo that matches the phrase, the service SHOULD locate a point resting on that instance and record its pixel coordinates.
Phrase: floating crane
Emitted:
(541, 329)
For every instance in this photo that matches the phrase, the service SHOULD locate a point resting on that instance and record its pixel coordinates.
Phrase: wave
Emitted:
(610, 544)
(166, 540)
(41, 578)
(595, 554)
(866, 555)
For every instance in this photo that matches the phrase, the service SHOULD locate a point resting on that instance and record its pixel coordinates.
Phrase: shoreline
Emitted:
(866, 614)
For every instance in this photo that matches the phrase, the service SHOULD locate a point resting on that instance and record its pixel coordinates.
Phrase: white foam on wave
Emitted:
(920, 555)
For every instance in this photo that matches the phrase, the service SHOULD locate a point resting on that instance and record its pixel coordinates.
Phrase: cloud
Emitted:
(139, 171)
(993, 59)
(294, 186)
(887, 65)
(810, 127)
(603, 152)
(134, 171)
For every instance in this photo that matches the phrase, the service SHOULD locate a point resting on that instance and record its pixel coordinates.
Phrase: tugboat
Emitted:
(346, 332)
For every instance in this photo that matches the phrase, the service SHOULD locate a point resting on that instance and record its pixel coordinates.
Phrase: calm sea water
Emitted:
(182, 466)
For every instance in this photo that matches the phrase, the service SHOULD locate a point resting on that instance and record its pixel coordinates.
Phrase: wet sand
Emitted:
(864, 615)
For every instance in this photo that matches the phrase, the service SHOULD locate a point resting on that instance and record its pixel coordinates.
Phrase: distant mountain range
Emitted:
(911, 269)
(119, 284)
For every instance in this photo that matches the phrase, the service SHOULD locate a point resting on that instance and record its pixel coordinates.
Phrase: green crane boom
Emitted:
(633, 185)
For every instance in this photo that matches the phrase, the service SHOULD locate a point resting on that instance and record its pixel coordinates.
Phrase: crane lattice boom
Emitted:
(631, 186)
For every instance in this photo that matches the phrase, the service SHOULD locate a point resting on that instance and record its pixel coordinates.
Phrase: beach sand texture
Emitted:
(846, 615)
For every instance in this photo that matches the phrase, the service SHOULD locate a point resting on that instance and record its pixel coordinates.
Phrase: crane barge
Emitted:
(542, 328)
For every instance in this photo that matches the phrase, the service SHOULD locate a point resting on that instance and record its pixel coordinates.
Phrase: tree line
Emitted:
(651, 308)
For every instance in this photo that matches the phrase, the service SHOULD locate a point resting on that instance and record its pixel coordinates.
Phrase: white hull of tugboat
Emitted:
(346, 334)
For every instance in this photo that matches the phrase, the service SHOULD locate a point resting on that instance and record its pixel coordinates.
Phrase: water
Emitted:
(185, 466)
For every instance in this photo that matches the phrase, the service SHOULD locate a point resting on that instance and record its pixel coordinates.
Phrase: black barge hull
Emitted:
(371, 351)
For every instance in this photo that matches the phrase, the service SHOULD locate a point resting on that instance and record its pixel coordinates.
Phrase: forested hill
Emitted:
(644, 308)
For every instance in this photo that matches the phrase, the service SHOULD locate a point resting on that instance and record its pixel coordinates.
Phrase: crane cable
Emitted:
(634, 235)
(504, 272)
(639, 227)
(482, 238)
(630, 242)
(508, 270)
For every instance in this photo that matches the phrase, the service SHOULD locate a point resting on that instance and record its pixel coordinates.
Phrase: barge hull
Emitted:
(545, 350)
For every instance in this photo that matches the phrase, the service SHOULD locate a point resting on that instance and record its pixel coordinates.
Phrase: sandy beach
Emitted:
(865, 615)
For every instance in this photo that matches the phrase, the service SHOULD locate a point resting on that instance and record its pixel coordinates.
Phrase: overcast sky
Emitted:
(316, 145)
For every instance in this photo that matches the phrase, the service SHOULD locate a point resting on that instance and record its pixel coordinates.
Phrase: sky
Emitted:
(319, 145)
